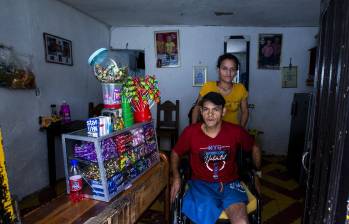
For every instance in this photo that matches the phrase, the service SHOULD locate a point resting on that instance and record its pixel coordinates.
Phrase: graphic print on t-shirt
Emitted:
(215, 157)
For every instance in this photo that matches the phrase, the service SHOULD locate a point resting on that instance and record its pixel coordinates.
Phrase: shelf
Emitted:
(83, 136)
(121, 171)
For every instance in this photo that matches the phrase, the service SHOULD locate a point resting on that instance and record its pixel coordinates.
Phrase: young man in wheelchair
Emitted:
(214, 184)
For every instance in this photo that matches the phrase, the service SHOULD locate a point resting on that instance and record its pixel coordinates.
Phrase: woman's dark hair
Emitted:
(227, 56)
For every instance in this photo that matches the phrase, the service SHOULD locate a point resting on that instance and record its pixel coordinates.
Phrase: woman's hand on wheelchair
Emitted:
(175, 188)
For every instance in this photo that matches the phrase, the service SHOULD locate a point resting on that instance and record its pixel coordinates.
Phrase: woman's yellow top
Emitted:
(232, 100)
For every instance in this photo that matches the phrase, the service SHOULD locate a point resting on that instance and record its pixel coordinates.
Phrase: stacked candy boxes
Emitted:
(125, 157)
(99, 126)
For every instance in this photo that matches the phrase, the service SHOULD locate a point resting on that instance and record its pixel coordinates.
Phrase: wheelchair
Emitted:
(246, 176)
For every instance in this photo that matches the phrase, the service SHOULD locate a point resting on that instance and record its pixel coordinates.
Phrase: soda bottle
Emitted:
(75, 182)
(65, 112)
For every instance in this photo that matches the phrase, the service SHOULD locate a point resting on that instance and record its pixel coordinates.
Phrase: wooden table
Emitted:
(125, 208)
(56, 129)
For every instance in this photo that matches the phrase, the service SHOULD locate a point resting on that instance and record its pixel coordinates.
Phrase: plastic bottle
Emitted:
(53, 110)
(65, 113)
(75, 182)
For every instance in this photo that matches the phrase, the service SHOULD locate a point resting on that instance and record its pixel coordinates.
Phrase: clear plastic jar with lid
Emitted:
(105, 68)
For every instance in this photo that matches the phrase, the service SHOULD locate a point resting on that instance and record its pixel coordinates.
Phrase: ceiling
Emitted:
(260, 13)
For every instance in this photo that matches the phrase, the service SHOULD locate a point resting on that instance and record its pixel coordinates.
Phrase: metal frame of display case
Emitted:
(81, 135)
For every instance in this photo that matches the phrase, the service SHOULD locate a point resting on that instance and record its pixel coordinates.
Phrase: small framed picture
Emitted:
(289, 77)
(167, 48)
(58, 50)
(269, 55)
(199, 75)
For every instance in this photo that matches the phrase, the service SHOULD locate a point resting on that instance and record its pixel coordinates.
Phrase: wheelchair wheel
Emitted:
(177, 216)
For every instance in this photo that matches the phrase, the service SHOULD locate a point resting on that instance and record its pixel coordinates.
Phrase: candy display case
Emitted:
(110, 164)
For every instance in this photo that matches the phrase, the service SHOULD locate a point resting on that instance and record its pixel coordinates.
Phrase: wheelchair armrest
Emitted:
(176, 207)
(184, 172)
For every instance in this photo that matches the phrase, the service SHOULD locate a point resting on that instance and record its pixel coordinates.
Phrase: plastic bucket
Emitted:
(128, 118)
(127, 109)
(143, 115)
(111, 95)
(128, 123)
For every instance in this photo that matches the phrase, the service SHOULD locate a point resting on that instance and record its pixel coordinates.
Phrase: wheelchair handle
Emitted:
(303, 161)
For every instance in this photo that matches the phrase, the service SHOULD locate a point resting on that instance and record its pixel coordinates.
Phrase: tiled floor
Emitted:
(282, 197)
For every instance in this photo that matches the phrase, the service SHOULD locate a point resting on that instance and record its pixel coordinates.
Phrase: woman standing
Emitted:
(235, 94)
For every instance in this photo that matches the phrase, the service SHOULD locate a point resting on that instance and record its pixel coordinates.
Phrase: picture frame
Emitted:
(199, 75)
(167, 49)
(269, 55)
(58, 50)
(289, 77)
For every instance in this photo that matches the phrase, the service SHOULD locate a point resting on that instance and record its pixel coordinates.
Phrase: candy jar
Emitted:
(107, 71)
(105, 68)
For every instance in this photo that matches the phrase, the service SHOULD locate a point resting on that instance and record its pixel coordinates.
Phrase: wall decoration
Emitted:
(58, 50)
(269, 55)
(289, 77)
(167, 49)
(15, 69)
(199, 75)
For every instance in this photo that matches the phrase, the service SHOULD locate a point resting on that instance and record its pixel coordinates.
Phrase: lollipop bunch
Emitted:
(141, 92)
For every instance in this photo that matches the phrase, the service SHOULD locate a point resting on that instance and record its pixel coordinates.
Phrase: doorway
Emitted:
(328, 185)
(240, 47)
(132, 59)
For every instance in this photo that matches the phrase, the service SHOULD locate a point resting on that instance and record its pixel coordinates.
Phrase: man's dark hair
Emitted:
(227, 56)
(213, 97)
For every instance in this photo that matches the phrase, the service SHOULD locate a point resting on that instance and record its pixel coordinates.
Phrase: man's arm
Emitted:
(196, 111)
(244, 113)
(256, 156)
(176, 179)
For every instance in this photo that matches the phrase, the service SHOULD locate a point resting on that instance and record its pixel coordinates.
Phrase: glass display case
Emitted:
(110, 164)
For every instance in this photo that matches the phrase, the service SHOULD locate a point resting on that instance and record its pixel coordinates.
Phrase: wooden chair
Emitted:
(167, 124)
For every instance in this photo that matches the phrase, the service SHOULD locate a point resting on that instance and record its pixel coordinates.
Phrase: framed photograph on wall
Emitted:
(289, 77)
(58, 50)
(199, 75)
(167, 48)
(269, 47)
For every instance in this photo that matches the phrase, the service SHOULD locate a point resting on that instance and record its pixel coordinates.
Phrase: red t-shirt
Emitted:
(213, 159)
